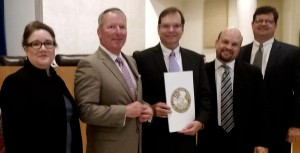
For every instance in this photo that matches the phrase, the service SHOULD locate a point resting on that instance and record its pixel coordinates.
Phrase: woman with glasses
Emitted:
(39, 114)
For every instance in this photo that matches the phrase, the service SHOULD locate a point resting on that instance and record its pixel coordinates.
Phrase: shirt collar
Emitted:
(166, 51)
(111, 55)
(268, 42)
(219, 64)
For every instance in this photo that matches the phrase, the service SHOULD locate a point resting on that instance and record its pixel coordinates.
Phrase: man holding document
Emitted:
(152, 64)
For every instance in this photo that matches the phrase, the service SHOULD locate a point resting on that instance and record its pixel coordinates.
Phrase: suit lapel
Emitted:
(210, 69)
(186, 62)
(186, 65)
(132, 67)
(135, 75)
(237, 80)
(273, 57)
(110, 64)
(247, 53)
(159, 59)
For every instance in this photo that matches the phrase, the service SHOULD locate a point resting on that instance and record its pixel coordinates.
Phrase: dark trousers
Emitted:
(217, 139)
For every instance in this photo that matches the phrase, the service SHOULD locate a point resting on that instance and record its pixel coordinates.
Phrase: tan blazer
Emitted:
(101, 94)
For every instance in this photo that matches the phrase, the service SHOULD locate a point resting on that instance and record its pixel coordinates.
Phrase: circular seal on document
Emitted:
(180, 100)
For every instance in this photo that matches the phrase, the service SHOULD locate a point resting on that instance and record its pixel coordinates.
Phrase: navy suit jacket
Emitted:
(151, 66)
(282, 80)
(250, 112)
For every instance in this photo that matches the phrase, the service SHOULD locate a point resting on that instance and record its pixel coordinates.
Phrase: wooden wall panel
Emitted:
(296, 147)
(215, 20)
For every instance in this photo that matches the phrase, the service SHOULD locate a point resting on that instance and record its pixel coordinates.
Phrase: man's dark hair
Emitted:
(170, 10)
(266, 10)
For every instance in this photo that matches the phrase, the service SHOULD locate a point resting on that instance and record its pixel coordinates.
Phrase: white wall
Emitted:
(151, 19)
(17, 15)
(193, 29)
(75, 23)
(193, 13)
(245, 10)
(291, 33)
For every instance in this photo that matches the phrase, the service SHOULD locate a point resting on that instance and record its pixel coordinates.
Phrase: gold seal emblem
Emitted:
(180, 100)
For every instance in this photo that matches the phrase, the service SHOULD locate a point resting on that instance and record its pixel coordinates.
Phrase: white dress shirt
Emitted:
(219, 70)
(167, 52)
(266, 52)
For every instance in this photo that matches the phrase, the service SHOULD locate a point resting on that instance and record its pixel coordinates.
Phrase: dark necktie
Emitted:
(258, 57)
(173, 65)
(127, 76)
(227, 120)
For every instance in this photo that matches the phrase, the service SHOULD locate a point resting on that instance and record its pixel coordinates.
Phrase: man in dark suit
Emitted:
(280, 66)
(152, 64)
(245, 99)
(111, 104)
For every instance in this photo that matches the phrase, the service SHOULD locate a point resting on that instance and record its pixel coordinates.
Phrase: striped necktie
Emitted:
(227, 120)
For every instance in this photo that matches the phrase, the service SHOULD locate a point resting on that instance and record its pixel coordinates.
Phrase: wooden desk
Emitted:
(296, 147)
(66, 73)
(5, 71)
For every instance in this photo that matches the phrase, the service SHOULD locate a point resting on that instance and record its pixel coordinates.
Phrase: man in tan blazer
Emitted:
(110, 103)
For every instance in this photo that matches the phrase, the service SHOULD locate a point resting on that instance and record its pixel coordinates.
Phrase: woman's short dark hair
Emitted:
(33, 26)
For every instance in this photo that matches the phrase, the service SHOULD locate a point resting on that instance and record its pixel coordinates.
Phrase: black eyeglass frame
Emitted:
(38, 44)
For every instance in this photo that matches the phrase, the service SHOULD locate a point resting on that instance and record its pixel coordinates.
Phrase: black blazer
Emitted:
(34, 113)
(250, 112)
(151, 66)
(282, 80)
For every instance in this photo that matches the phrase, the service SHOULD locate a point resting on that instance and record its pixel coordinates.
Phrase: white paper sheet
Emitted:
(180, 97)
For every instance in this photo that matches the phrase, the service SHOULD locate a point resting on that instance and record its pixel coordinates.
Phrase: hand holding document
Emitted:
(180, 97)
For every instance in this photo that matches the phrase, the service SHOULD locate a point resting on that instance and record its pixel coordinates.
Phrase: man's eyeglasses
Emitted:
(38, 45)
(167, 26)
(261, 21)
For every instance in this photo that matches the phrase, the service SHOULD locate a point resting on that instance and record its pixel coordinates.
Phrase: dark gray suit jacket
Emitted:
(282, 80)
(151, 66)
(250, 113)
